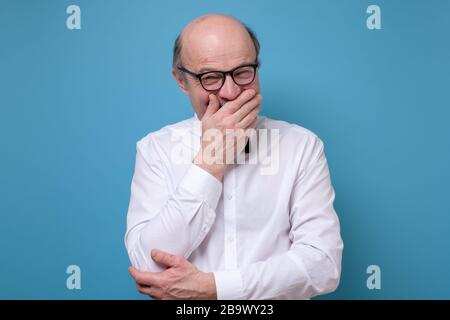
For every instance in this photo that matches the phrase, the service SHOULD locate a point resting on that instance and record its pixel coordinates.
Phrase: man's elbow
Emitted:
(139, 258)
(328, 279)
(330, 266)
(332, 280)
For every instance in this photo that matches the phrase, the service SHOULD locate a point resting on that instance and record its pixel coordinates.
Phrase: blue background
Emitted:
(74, 102)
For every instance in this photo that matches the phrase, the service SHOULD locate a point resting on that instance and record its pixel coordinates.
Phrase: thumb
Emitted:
(213, 105)
(163, 258)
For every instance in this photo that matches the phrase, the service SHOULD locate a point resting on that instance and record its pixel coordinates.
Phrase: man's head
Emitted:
(214, 43)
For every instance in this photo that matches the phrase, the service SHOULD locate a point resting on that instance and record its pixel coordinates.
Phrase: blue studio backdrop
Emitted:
(74, 102)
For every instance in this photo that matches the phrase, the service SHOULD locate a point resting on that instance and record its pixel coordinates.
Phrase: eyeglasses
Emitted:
(214, 80)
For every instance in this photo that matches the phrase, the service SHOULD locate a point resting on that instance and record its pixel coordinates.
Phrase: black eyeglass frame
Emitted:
(224, 74)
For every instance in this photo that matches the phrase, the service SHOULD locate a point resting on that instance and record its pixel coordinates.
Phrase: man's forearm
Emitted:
(182, 222)
(280, 276)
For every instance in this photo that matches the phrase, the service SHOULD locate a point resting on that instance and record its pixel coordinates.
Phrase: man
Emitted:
(213, 229)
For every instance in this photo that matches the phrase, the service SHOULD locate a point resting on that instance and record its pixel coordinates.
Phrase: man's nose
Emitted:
(230, 90)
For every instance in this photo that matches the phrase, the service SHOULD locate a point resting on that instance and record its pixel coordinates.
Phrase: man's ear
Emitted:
(181, 80)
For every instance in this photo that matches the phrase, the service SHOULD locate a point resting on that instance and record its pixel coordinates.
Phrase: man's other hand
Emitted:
(181, 279)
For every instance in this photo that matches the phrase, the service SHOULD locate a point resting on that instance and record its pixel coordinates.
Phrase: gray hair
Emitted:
(176, 61)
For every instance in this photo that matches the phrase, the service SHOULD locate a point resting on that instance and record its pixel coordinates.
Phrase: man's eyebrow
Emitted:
(203, 70)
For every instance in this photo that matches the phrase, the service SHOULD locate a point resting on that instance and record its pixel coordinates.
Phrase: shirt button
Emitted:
(229, 196)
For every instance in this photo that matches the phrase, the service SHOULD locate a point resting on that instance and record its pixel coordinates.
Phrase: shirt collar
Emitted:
(196, 126)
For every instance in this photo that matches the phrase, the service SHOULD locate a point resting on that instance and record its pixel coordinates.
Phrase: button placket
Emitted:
(230, 221)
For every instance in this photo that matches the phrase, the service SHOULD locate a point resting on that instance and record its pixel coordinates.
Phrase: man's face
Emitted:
(215, 44)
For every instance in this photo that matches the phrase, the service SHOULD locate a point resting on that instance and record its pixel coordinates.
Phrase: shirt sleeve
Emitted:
(312, 265)
(173, 221)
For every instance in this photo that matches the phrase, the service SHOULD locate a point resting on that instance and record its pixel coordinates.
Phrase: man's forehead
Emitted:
(220, 61)
(220, 56)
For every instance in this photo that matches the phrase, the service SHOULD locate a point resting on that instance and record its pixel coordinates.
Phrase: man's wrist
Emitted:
(210, 286)
(216, 170)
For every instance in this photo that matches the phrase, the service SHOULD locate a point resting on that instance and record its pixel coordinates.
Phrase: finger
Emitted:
(145, 278)
(165, 258)
(253, 124)
(247, 108)
(249, 119)
(213, 106)
(154, 292)
(235, 105)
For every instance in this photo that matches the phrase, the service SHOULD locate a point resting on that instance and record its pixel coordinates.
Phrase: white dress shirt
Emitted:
(270, 234)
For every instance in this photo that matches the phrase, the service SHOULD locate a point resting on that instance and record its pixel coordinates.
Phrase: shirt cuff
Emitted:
(229, 285)
(202, 185)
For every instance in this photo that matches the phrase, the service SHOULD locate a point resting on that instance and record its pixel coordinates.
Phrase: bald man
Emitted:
(229, 204)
